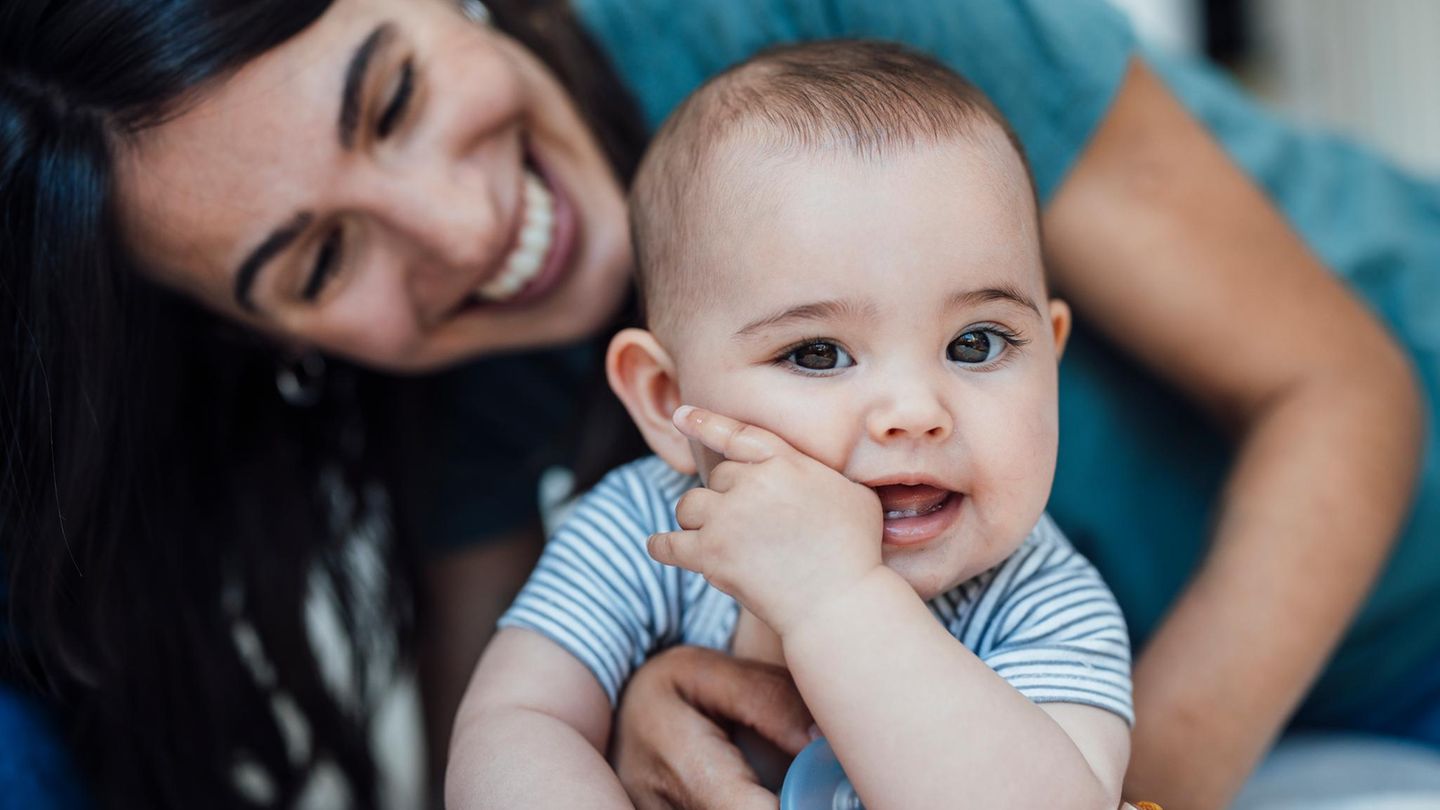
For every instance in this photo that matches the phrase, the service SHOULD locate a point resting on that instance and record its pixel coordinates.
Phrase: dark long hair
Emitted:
(163, 513)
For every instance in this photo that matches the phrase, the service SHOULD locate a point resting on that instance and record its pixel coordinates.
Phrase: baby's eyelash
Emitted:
(1013, 338)
(784, 353)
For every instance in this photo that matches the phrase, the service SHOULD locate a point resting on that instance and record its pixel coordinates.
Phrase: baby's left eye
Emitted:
(977, 346)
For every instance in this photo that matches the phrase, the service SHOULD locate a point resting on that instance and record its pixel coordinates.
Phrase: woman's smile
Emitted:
(542, 249)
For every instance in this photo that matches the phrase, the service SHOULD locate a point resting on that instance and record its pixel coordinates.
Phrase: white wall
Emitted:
(1370, 68)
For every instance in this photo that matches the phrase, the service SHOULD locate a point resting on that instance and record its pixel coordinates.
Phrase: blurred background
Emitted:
(1365, 68)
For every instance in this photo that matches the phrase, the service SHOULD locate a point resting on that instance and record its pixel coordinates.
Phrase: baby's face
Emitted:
(889, 319)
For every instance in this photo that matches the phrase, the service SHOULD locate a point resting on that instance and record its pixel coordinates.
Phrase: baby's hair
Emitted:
(863, 99)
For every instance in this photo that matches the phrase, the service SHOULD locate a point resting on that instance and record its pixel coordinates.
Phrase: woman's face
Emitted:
(395, 184)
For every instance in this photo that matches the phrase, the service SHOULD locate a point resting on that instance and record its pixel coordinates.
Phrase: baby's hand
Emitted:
(774, 528)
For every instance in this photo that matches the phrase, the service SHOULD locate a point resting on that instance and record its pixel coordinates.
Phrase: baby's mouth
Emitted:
(917, 513)
(911, 500)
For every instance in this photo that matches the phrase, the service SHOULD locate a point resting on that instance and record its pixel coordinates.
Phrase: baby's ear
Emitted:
(1060, 324)
(642, 375)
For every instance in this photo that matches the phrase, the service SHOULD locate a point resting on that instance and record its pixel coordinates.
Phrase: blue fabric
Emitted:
(36, 772)
(1139, 470)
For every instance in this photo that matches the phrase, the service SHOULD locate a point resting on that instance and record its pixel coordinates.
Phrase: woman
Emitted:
(357, 180)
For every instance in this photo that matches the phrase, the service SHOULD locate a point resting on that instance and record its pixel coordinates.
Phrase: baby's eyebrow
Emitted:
(815, 311)
(1002, 292)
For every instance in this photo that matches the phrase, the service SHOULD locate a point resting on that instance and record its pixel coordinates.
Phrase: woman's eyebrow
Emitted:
(355, 81)
(277, 241)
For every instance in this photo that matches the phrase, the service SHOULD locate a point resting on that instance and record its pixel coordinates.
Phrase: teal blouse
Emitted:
(1139, 471)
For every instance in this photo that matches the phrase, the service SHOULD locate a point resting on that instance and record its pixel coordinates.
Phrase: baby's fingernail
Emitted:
(814, 732)
(682, 413)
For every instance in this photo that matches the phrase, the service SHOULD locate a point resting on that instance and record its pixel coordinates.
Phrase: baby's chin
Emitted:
(931, 573)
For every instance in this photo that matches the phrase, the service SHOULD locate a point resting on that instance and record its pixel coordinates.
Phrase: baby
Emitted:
(851, 345)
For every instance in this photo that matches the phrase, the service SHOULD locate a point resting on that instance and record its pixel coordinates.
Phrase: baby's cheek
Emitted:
(1012, 484)
(817, 432)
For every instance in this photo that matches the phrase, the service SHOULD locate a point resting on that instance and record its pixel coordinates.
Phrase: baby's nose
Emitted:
(912, 413)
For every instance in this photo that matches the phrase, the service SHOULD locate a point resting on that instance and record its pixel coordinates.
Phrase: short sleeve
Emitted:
(595, 591)
(1053, 630)
(488, 430)
(1053, 68)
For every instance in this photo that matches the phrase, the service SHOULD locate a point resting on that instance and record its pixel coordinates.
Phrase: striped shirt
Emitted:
(1042, 619)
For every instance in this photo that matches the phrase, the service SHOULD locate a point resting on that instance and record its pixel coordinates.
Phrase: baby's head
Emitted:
(839, 242)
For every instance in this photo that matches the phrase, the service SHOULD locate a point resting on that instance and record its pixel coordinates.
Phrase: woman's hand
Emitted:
(671, 747)
(774, 528)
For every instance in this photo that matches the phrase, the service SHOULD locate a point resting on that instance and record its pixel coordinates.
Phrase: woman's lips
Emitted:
(916, 513)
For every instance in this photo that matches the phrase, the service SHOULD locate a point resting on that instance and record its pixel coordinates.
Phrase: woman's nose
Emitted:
(911, 412)
(445, 228)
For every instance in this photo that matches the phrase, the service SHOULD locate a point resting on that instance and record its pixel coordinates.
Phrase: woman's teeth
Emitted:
(525, 261)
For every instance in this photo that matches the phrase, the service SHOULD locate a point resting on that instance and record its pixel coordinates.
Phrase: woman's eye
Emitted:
(977, 346)
(819, 355)
(326, 261)
(393, 112)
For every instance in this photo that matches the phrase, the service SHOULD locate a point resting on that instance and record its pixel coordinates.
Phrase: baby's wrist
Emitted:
(832, 613)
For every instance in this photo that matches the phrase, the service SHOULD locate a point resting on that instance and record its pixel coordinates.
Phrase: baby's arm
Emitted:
(916, 718)
(531, 731)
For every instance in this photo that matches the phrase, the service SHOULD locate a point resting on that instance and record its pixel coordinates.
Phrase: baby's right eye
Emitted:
(818, 355)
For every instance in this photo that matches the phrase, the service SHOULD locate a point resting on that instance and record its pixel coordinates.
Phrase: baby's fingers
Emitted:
(730, 438)
(694, 507)
(680, 549)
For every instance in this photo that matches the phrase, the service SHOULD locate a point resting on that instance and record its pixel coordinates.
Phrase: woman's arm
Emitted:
(1164, 245)
(531, 731)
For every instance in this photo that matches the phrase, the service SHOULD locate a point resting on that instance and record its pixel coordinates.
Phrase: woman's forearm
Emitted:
(1318, 491)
